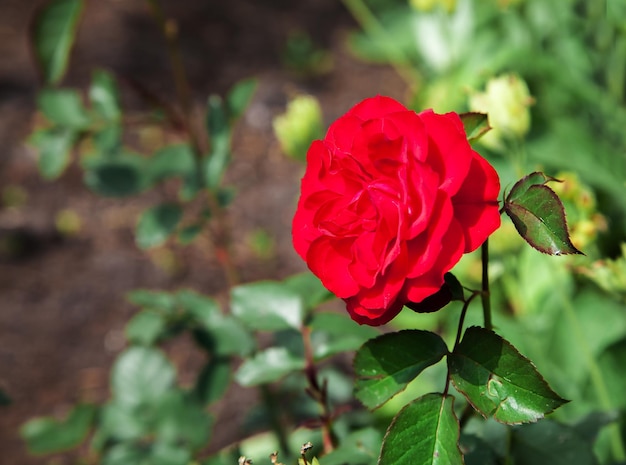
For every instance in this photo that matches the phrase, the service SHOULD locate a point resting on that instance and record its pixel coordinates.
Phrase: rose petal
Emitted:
(475, 205)
(449, 153)
(328, 259)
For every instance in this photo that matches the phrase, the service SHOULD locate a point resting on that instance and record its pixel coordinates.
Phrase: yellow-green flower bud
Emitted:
(429, 5)
(299, 126)
(506, 100)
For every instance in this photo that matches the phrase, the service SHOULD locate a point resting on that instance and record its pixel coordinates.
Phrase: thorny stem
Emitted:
(459, 331)
(485, 297)
(221, 230)
(181, 83)
(318, 393)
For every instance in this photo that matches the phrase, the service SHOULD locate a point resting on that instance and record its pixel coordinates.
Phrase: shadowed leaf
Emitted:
(386, 365)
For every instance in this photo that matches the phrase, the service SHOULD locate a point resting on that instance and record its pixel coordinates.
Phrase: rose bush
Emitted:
(390, 201)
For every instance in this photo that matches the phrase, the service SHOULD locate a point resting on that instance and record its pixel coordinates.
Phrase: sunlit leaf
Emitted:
(104, 96)
(267, 366)
(309, 288)
(141, 375)
(386, 365)
(425, 432)
(47, 435)
(145, 327)
(63, 107)
(54, 146)
(539, 216)
(335, 332)
(267, 306)
(475, 124)
(498, 381)
(54, 33)
(156, 224)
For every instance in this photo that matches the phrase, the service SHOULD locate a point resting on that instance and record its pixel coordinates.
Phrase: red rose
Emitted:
(390, 201)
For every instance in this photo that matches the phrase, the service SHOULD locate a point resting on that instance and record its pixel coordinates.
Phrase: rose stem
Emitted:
(317, 392)
(485, 297)
(459, 330)
(221, 230)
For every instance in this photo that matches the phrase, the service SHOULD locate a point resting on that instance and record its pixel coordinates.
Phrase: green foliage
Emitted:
(272, 335)
(54, 32)
(538, 215)
(156, 224)
(268, 306)
(46, 435)
(385, 365)
(424, 432)
(475, 125)
(498, 381)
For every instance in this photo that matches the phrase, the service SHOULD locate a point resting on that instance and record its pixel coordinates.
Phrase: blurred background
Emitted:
(68, 256)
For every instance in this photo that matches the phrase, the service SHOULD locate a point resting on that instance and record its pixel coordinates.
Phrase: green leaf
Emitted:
(108, 140)
(145, 327)
(48, 435)
(219, 334)
(477, 451)
(550, 443)
(104, 96)
(225, 336)
(171, 161)
(360, 447)
(611, 363)
(475, 124)
(425, 432)
(54, 146)
(335, 332)
(120, 176)
(267, 306)
(182, 421)
(141, 454)
(54, 33)
(539, 216)
(239, 97)
(521, 187)
(189, 233)
(156, 224)
(498, 381)
(156, 300)
(309, 288)
(219, 132)
(141, 375)
(63, 107)
(213, 380)
(386, 365)
(120, 422)
(268, 366)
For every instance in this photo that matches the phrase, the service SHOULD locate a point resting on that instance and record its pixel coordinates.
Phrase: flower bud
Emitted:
(298, 126)
(506, 101)
(429, 5)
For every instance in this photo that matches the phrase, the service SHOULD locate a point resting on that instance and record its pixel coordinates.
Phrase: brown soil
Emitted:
(62, 305)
